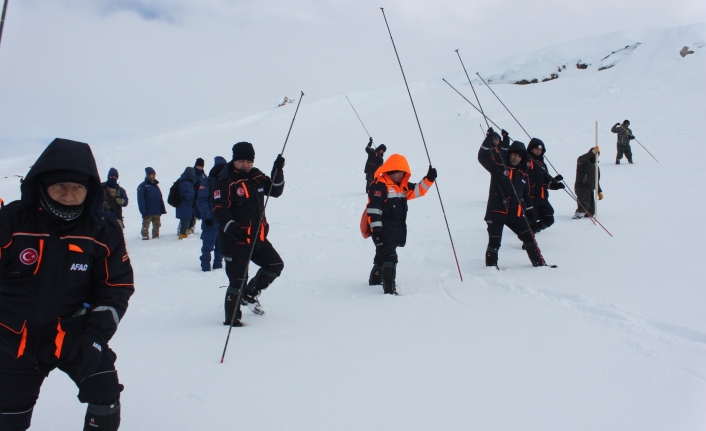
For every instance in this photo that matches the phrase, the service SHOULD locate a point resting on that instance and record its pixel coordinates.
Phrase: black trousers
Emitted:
(265, 256)
(495, 231)
(19, 389)
(586, 200)
(624, 149)
(369, 177)
(544, 213)
(387, 252)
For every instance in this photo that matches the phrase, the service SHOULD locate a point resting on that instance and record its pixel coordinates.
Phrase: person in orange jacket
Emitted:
(387, 215)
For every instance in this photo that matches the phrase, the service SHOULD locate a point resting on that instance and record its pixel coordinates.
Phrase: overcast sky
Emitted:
(100, 70)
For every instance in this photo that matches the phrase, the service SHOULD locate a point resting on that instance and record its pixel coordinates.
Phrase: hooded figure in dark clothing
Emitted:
(508, 196)
(540, 182)
(114, 197)
(624, 137)
(209, 225)
(375, 160)
(65, 282)
(185, 211)
(586, 183)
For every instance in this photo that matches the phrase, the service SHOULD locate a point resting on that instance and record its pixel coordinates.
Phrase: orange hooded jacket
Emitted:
(384, 190)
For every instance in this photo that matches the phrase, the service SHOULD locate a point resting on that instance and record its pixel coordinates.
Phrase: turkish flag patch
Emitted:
(217, 194)
(378, 194)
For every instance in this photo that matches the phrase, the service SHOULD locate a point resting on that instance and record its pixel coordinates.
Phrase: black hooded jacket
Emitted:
(502, 203)
(50, 268)
(375, 159)
(586, 172)
(239, 198)
(540, 181)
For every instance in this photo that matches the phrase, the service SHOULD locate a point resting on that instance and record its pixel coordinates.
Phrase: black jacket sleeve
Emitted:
(376, 198)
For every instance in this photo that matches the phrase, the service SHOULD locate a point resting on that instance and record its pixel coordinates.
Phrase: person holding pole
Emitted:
(624, 137)
(375, 160)
(387, 216)
(509, 202)
(238, 208)
(587, 181)
(540, 182)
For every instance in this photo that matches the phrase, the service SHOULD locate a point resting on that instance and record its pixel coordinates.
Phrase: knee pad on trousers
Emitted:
(375, 275)
(389, 271)
(16, 421)
(103, 417)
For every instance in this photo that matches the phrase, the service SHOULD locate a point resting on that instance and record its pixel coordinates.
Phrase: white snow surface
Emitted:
(613, 339)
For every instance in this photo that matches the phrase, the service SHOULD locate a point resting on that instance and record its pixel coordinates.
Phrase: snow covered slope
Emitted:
(614, 339)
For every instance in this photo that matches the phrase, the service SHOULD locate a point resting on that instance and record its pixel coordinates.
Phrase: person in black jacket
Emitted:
(65, 282)
(586, 183)
(114, 197)
(238, 207)
(624, 137)
(508, 182)
(540, 182)
(375, 160)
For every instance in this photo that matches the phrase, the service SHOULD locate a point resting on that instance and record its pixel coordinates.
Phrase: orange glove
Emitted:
(600, 196)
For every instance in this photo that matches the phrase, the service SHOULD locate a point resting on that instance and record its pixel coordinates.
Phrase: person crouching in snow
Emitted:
(387, 215)
(508, 182)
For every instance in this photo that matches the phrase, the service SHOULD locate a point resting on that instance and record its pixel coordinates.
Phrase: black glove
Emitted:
(632, 137)
(370, 142)
(617, 124)
(558, 178)
(377, 238)
(88, 350)
(279, 163)
(234, 231)
(504, 133)
(431, 174)
(490, 132)
(556, 186)
(208, 222)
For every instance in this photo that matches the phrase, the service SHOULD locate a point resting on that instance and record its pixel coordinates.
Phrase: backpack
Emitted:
(174, 197)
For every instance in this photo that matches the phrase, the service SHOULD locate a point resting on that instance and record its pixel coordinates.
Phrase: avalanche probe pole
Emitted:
(648, 151)
(595, 201)
(493, 122)
(423, 141)
(474, 90)
(2, 19)
(356, 114)
(257, 235)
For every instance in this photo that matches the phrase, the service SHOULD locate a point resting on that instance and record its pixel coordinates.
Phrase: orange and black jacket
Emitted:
(502, 203)
(387, 201)
(59, 279)
(540, 180)
(239, 198)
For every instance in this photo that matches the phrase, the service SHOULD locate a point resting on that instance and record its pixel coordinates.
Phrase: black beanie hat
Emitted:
(200, 162)
(243, 151)
(64, 176)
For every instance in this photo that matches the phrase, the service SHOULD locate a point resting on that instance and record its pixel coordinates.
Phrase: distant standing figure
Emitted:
(200, 176)
(185, 210)
(375, 160)
(209, 225)
(151, 204)
(114, 197)
(624, 137)
(586, 183)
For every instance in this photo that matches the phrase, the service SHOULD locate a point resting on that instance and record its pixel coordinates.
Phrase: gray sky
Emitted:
(96, 70)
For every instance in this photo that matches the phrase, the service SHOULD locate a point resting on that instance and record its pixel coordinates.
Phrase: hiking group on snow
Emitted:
(66, 275)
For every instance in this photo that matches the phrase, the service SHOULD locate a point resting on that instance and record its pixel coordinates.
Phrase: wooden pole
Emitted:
(595, 192)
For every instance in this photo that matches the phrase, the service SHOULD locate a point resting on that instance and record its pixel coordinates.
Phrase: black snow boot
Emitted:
(252, 291)
(102, 417)
(375, 276)
(533, 253)
(231, 306)
(389, 273)
(491, 257)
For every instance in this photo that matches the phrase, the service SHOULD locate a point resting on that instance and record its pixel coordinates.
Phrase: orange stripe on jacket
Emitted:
(59, 341)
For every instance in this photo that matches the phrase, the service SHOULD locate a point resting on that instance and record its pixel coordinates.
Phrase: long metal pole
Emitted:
(474, 90)
(257, 235)
(508, 110)
(595, 203)
(2, 19)
(424, 142)
(648, 151)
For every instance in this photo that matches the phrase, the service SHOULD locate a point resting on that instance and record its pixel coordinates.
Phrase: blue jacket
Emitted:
(149, 198)
(204, 201)
(186, 189)
(200, 176)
